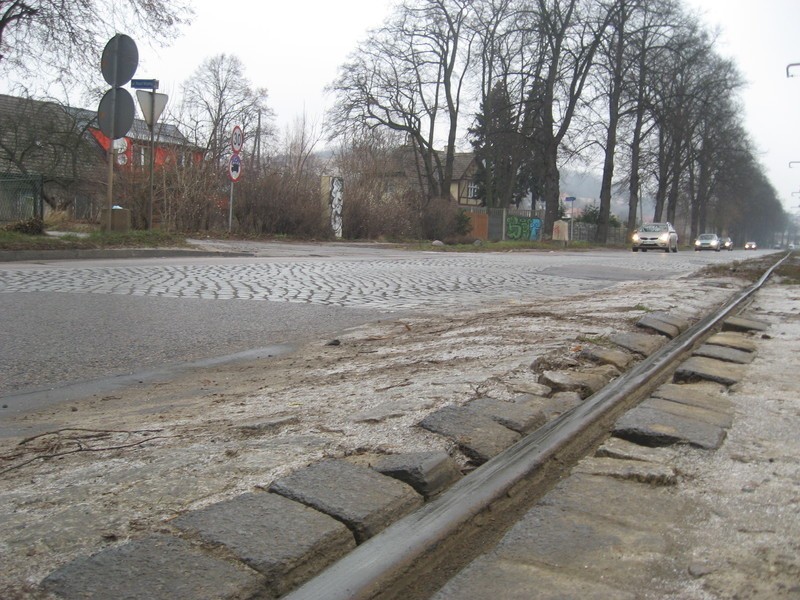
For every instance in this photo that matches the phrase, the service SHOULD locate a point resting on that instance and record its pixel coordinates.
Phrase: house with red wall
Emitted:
(54, 156)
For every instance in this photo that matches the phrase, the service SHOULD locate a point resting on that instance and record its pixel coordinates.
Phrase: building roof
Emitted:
(462, 161)
(38, 137)
(165, 133)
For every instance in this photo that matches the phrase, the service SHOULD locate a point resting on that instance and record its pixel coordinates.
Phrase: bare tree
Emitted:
(717, 136)
(656, 21)
(570, 32)
(617, 63)
(217, 97)
(409, 77)
(66, 37)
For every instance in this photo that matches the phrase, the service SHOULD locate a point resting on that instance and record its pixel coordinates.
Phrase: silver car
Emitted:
(655, 236)
(708, 241)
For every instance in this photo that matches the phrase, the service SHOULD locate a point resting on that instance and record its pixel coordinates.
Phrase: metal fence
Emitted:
(20, 198)
(517, 224)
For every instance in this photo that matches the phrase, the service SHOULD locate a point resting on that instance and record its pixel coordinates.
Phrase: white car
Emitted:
(655, 236)
(708, 241)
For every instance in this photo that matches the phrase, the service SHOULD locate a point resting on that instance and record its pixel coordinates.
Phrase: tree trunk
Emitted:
(633, 185)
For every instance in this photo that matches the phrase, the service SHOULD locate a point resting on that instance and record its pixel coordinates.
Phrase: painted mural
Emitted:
(336, 201)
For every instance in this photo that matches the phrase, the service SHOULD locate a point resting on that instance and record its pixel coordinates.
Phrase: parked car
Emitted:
(727, 243)
(655, 236)
(750, 246)
(708, 241)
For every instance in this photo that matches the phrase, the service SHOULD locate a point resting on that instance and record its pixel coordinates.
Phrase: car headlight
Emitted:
(635, 237)
(697, 242)
(664, 237)
(715, 242)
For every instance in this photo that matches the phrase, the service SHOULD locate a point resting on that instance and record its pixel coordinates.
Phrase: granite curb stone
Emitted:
(109, 253)
(744, 324)
(615, 447)
(658, 325)
(664, 324)
(651, 427)
(429, 473)
(617, 358)
(165, 566)
(732, 339)
(640, 343)
(284, 540)
(360, 497)
(703, 395)
(517, 416)
(713, 417)
(725, 354)
(630, 470)
(708, 369)
(478, 436)
(585, 383)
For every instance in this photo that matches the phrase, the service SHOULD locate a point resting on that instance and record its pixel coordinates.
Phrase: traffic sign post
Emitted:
(152, 105)
(118, 64)
(234, 167)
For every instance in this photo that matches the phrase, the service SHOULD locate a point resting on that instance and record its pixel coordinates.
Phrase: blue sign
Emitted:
(569, 199)
(144, 84)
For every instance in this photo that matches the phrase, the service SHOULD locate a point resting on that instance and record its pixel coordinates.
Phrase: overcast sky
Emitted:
(762, 37)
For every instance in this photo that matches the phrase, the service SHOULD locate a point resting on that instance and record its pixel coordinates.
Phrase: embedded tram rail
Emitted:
(328, 530)
(416, 555)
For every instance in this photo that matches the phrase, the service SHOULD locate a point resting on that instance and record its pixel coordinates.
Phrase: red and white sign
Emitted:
(235, 168)
(237, 139)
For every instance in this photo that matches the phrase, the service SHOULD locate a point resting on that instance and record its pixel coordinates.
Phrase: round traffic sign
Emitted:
(119, 103)
(235, 168)
(237, 139)
(119, 60)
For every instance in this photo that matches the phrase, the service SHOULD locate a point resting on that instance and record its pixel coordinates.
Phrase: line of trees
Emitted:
(634, 87)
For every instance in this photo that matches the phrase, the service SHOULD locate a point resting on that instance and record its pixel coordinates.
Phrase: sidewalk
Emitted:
(679, 521)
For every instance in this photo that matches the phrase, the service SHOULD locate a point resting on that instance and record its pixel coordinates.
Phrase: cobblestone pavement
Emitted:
(389, 284)
(77, 321)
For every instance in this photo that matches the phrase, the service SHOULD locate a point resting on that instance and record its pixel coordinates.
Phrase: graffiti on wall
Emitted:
(523, 228)
(335, 202)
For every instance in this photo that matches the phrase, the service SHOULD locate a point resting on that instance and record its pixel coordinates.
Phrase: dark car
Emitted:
(727, 243)
(750, 246)
(655, 236)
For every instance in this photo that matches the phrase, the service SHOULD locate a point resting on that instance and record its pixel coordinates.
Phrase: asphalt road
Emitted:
(75, 327)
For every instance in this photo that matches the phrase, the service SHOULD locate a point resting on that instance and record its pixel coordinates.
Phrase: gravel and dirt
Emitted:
(107, 469)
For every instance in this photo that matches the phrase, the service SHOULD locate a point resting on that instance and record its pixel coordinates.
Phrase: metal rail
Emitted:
(376, 567)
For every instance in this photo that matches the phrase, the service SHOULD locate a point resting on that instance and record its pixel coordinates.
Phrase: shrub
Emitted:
(32, 226)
